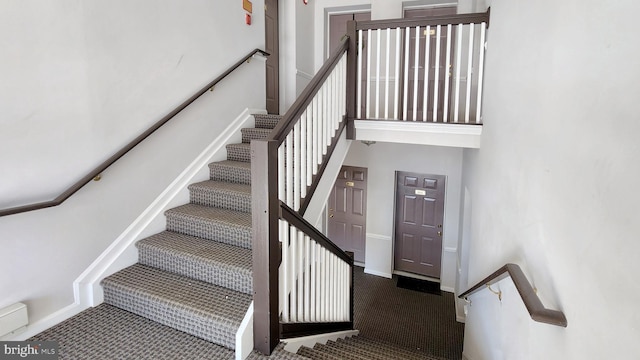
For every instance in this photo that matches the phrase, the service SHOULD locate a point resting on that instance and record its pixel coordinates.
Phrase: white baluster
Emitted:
(436, 76)
(416, 67)
(359, 84)
(303, 154)
(456, 110)
(307, 278)
(445, 110)
(296, 166)
(377, 109)
(286, 285)
(368, 84)
(309, 147)
(289, 170)
(386, 86)
(396, 97)
(407, 33)
(427, 70)
(300, 255)
(469, 77)
(293, 234)
(483, 29)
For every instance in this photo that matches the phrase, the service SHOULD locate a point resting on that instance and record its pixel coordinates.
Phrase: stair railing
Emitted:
(95, 174)
(303, 283)
(392, 55)
(528, 294)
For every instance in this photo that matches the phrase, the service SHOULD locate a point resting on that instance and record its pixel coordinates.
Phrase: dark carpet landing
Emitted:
(412, 319)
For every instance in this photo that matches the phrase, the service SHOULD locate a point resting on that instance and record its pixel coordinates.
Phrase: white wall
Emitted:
(554, 186)
(382, 160)
(304, 45)
(79, 81)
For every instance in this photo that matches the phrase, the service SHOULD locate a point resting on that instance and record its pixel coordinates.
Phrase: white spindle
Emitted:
(436, 76)
(396, 79)
(314, 271)
(303, 154)
(286, 285)
(407, 33)
(314, 135)
(300, 261)
(307, 278)
(386, 85)
(483, 29)
(293, 234)
(427, 70)
(281, 174)
(309, 147)
(289, 170)
(368, 102)
(469, 70)
(359, 84)
(456, 110)
(445, 109)
(377, 109)
(296, 166)
(416, 67)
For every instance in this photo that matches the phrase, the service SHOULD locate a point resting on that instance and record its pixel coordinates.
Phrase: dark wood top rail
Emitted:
(475, 18)
(292, 217)
(289, 119)
(102, 167)
(537, 311)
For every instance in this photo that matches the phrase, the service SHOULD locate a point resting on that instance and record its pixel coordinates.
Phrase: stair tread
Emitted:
(340, 353)
(212, 223)
(222, 186)
(369, 344)
(231, 171)
(209, 213)
(239, 152)
(315, 354)
(268, 121)
(208, 311)
(201, 259)
(254, 133)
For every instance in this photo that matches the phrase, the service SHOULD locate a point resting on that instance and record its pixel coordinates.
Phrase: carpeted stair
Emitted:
(192, 283)
(360, 348)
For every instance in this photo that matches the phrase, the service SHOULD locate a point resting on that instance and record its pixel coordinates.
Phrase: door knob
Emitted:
(330, 215)
(440, 233)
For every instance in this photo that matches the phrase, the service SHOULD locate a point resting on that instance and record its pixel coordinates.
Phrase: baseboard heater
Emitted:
(13, 318)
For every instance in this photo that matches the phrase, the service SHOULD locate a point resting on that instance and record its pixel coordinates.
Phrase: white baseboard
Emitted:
(244, 336)
(122, 252)
(292, 345)
(46, 322)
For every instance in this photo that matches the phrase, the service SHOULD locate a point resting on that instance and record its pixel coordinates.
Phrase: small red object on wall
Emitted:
(247, 19)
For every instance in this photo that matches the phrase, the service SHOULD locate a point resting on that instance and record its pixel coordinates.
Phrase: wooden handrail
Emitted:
(531, 300)
(133, 143)
(293, 218)
(300, 105)
(475, 18)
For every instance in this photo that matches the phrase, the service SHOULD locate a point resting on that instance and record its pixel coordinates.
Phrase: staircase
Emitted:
(360, 348)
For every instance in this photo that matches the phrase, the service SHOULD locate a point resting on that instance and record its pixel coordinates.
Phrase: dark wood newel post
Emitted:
(351, 294)
(352, 69)
(266, 248)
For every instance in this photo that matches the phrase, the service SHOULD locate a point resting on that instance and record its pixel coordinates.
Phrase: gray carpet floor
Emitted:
(411, 319)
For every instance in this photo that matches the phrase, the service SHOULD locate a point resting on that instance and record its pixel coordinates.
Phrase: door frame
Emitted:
(393, 230)
(273, 108)
(338, 11)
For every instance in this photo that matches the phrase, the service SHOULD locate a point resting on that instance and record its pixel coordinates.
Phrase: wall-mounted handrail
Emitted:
(531, 300)
(132, 144)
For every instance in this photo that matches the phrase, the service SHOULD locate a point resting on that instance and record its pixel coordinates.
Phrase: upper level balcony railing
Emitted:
(427, 70)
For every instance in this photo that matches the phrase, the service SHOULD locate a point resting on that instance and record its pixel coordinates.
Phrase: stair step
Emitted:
(266, 121)
(204, 310)
(279, 353)
(339, 353)
(221, 194)
(249, 134)
(237, 172)
(222, 225)
(371, 344)
(239, 152)
(315, 354)
(205, 260)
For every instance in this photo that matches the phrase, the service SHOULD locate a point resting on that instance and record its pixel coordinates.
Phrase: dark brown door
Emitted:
(273, 62)
(442, 66)
(337, 30)
(418, 224)
(347, 211)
